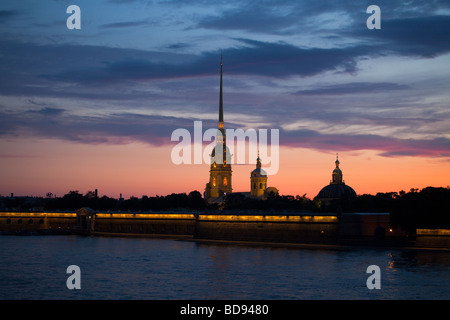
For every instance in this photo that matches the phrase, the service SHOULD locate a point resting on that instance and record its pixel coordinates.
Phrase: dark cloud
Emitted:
(101, 67)
(387, 146)
(48, 111)
(280, 60)
(179, 45)
(108, 129)
(354, 88)
(283, 60)
(415, 29)
(8, 14)
(423, 36)
(121, 128)
(169, 80)
(125, 24)
(254, 17)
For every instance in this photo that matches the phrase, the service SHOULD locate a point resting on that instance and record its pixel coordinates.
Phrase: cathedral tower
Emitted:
(220, 172)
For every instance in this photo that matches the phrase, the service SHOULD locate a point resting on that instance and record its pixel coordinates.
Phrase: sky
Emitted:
(95, 108)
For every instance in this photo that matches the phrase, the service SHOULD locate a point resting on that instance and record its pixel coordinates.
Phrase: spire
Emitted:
(337, 173)
(221, 97)
(258, 160)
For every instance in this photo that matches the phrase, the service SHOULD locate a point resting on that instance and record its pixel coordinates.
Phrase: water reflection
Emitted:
(420, 260)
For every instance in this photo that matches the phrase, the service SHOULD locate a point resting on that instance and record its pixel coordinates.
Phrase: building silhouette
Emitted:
(337, 189)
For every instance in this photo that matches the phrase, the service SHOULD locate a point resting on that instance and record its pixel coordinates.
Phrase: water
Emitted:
(34, 267)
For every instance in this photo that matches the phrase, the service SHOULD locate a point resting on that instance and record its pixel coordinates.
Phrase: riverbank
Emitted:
(368, 230)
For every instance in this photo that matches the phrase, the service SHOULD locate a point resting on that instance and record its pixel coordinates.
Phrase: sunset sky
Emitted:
(95, 108)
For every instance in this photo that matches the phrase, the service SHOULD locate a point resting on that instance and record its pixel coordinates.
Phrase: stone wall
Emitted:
(433, 238)
(145, 226)
(36, 221)
(307, 229)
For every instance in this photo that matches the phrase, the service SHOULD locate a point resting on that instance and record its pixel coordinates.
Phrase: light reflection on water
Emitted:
(34, 267)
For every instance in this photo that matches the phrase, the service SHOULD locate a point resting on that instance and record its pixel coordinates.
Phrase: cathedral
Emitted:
(337, 189)
(220, 172)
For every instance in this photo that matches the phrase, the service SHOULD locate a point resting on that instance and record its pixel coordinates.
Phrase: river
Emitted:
(35, 267)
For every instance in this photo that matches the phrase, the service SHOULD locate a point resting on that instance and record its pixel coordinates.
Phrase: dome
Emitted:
(258, 172)
(336, 191)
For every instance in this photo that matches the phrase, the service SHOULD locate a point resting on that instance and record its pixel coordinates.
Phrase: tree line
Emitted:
(427, 208)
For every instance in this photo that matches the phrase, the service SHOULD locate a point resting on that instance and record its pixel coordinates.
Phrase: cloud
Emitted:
(7, 14)
(125, 24)
(424, 36)
(252, 57)
(354, 88)
(114, 128)
(263, 63)
(418, 29)
(387, 146)
(123, 128)
(51, 67)
(254, 17)
(48, 111)
(87, 65)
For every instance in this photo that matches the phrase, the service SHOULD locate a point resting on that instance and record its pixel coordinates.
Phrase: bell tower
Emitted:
(258, 180)
(220, 171)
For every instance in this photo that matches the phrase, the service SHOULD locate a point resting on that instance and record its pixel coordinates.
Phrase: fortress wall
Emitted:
(35, 221)
(267, 230)
(433, 238)
(363, 224)
(326, 229)
(272, 228)
(145, 226)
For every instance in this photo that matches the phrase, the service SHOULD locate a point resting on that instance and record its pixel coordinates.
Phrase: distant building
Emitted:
(258, 183)
(258, 180)
(337, 189)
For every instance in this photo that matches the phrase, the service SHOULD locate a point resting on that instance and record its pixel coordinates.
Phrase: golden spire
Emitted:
(221, 97)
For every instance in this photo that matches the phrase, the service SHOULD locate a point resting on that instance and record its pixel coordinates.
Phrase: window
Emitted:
(260, 185)
(214, 182)
(225, 181)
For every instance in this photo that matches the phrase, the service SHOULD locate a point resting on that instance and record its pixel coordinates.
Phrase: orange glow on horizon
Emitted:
(34, 168)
